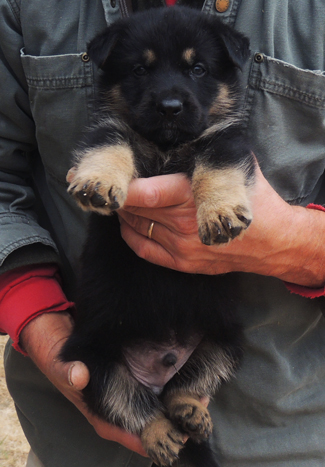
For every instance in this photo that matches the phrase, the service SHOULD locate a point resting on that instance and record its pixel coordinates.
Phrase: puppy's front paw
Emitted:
(162, 441)
(191, 416)
(100, 180)
(222, 200)
(222, 225)
(94, 194)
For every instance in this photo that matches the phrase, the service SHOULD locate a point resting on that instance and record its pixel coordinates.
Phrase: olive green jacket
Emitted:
(273, 413)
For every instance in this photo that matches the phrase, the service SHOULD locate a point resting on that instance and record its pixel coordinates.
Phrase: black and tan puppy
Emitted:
(156, 340)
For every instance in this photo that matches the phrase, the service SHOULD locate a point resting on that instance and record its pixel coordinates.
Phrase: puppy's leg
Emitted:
(222, 201)
(100, 179)
(103, 167)
(121, 400)
(202, 374)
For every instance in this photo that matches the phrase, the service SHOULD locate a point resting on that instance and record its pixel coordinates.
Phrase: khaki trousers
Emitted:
(33, 460)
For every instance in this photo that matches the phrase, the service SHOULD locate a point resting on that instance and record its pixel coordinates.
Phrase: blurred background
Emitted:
(13, 445)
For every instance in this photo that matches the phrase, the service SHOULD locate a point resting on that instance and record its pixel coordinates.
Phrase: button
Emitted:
(258, 57)
(113, 3)
(222, 5)
(85, 57)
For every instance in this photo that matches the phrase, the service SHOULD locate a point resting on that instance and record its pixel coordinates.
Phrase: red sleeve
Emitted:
(26, 293)
(307, 292)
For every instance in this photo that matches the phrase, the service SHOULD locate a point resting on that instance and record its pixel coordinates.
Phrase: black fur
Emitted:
(163, 74)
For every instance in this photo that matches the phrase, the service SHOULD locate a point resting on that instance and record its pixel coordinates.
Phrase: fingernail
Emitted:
(69, 375)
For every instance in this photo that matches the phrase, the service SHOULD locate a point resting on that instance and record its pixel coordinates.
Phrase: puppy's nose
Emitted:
(170, 107)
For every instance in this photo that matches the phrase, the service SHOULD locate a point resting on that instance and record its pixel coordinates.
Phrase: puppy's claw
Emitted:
(113, 197)
(232, 231)
(244, 220)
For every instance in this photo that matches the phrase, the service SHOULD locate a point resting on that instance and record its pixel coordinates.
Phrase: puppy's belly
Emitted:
(154, 365)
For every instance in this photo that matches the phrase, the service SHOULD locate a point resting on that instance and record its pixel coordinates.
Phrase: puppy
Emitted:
(156, 340)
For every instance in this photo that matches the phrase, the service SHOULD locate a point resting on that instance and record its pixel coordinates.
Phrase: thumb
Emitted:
(78, 375)
(74, 374)
(159, 191)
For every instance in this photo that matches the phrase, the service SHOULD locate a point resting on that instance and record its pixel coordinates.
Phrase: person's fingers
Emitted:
(156, 192)
(145, 248)
(114, 433)
(142, 225)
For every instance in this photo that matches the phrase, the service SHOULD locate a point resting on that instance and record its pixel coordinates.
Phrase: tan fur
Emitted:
(115, 102)
(189, 56)
(149, 56)
(162, 441)
(220, 126)
(188, 412)
(221, 197)
(106, 171)
(223, 103)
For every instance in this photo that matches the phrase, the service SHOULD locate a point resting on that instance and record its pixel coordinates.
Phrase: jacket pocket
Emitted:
(61, 98)
(285, 112)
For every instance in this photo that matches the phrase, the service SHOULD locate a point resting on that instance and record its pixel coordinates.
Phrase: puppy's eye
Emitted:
(198, 70)
(139, 70)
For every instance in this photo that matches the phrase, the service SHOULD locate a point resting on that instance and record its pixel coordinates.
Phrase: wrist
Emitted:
(26, 293)
(303, 249)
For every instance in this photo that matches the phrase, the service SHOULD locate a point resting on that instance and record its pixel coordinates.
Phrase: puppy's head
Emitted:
(169, 72)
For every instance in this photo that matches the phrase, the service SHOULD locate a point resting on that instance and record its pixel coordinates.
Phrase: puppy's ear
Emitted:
(237, 46)
(100, 48)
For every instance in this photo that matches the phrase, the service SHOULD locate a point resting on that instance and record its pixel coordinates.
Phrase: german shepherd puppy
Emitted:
(157, 340)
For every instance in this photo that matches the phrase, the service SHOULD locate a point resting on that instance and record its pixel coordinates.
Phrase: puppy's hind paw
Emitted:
(191, 416)
(162, 441)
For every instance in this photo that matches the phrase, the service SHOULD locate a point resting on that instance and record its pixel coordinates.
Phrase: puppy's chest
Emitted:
(157, 162)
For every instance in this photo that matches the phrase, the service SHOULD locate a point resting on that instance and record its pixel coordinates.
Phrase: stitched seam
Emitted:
(59, 83)
(27, 241)
(15, 10)
(11, 216)
(291, 92)
(233, 13)
(24, 242)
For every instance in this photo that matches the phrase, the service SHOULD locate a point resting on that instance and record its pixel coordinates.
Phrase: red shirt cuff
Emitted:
(26, 293)
(307, 292)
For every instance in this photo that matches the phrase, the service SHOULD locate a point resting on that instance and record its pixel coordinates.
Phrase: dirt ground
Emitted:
(13, 445)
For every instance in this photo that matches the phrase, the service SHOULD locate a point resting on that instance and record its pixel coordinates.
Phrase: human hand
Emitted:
(283, 241)
(43, 338)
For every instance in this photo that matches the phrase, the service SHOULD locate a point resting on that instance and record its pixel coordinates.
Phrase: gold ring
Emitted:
(150, 229)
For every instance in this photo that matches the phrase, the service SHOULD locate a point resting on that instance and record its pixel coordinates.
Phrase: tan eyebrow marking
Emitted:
(149, 56)
(189, 55)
